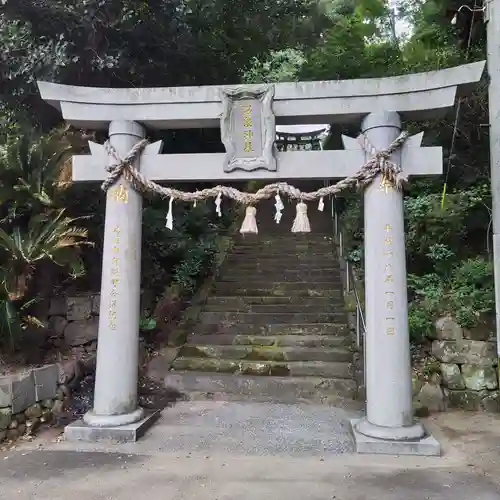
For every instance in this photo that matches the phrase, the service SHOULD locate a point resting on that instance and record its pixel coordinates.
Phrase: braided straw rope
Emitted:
(378, 164)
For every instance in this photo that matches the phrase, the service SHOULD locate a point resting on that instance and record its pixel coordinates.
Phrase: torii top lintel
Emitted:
(415, 96)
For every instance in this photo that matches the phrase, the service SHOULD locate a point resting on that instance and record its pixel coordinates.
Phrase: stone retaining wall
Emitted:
(469, 365)
(75, 320)
(28, 399)
(466, 371)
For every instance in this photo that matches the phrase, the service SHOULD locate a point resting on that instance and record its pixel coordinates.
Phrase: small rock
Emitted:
(477, 377)
(58, 407)
(466, 400)
(20, 417)
(32, 426)
(480, 332)
(81, 332)
(14, 424)
(448, 329)
(452, 377)
(5, 418)
(431, 395)
(34, 411)
(465, 351)
(491, 402)
(46, 416)
(79, 308)
(57, 324)
(12, 434)
(57, 306)
(416, 384)
(48, 403)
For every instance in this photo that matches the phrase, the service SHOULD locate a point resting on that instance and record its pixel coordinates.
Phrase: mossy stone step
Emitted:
(198, 385)
(276, 341)
(294, 259)
(266, 353)
(292, 309)
(298, 284)
(269, 318)
(287, 267)
(265, 368)
(330, 329)
(278, 275)
(268, 300)
(235, 290)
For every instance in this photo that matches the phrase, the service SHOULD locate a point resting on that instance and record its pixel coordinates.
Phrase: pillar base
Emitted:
(95, 420)
(389, 444)
(127, 433)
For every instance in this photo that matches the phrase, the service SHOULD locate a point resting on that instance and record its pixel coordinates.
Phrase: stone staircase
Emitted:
(274, 327)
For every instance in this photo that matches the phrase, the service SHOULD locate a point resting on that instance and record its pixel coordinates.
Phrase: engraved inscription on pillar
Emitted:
(389, 293)
(115, 279)
(248, 129)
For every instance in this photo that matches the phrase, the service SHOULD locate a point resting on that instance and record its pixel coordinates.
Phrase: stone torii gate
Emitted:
(248, 116)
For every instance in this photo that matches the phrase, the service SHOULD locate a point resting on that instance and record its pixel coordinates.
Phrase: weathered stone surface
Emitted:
(448, 329)
(5, 418)
(81, 332)
(12, 434)
(34, 411)
(46, 380)
(2, 435)
(57, 324)
(23, 391)
(480, 332)
(21, 429)
(477, 377)
(452, 377)
(79, 308)
(491, 402)
(159, 366)
(19, 417)
(416, 384)
(431, 396)
(465, 351)
(206, 364)
(96, 304)
(58, 306)
(466, 400)
(5, 392)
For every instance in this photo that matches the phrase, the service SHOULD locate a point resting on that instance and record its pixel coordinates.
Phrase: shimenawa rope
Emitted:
(379, 163)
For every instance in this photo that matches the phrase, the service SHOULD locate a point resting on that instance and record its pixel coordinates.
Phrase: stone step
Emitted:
(265, 368)
(275, 389)
(293, 284)
(278, 273)
(293, 258)
(314, 341)
(207, 318)
(326, 253)
(339, 329)
(266, 353)
(236, 290)
(290, 309)
(296, 266)
(234, 302)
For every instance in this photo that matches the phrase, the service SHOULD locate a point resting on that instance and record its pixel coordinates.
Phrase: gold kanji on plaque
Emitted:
(120, 194)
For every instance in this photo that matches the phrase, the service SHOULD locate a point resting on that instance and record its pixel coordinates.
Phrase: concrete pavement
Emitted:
(250, 451)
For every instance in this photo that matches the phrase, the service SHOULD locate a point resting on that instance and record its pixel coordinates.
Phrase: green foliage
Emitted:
(134, 43)
(34, 232)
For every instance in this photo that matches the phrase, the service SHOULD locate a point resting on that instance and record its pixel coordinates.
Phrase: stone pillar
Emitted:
(115, 398)
(389, 411)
